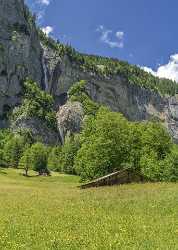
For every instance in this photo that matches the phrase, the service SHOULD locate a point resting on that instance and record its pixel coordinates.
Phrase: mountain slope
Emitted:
(26, 52)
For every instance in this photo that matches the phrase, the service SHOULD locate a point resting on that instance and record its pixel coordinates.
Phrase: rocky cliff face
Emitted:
(20, 53)
(39, 132)
(23, 55)
(69, 119)
(136, 103)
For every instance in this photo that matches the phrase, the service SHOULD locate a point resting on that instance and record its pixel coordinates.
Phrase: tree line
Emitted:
(107, 142)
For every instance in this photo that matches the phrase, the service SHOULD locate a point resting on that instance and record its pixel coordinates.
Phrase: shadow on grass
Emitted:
(28, 176)
(33, 176)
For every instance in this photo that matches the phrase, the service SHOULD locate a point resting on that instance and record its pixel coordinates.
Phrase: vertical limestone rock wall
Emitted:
(20, 53)
(134, 102)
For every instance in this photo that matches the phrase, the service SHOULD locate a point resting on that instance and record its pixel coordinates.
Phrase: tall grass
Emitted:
(52, 213)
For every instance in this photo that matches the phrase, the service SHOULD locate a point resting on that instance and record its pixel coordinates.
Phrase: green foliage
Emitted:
(105, 145)
(155, 137)
(13, 150)
(30, 18)
(109, 142)
(36, 104)
(155, 152)
(78, 93)
(39, 156)
(27, 135)
(135, 144)
(25, 161)
(61, 159)
(54, 159)
(151, 149)
(5, 136)
(68, 154)
(77, 89)
(51, 43)
(173, 159)
(109, 67)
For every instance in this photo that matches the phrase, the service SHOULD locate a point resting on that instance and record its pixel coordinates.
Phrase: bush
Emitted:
(77, 89)
(173, 158)
(54, 159)
(39, 155)
(5, 136)
(13, 150)
(68, 154)
(78, 93)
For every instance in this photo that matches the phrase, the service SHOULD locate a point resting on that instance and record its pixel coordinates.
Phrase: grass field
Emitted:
(52, 213)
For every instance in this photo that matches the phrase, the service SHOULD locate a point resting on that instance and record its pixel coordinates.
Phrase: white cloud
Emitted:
(106, 37)
(169, 70)
(149, 70)
(47, 30)
(44, 2)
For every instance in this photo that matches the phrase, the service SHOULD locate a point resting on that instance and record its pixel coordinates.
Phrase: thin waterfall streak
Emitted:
(45, 70)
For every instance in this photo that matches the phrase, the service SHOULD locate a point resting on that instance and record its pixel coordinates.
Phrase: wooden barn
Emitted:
(117, 178)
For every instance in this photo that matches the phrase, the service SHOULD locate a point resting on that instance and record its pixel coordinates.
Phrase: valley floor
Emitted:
(44, 213)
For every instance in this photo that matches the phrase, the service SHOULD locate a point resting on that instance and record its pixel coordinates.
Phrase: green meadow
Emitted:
(43, 213)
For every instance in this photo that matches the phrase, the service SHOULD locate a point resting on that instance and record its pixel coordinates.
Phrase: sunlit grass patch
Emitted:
(53, 213)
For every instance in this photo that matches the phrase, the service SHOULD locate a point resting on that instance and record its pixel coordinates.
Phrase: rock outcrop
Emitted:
(38, 130)
(171, 117)
(69, 119)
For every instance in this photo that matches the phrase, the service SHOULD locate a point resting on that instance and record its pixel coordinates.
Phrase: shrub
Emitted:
(68, 154)
(78, 93)
(39, 155)
(173, 158)
(54, 159)
(5, 136)
(13, 150)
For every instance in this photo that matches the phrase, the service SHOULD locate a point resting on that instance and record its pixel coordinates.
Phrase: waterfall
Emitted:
(45, 70)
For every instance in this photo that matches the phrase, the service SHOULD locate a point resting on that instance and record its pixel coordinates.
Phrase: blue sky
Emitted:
(142, 32)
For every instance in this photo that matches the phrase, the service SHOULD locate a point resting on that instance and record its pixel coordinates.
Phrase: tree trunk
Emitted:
(26, 172)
